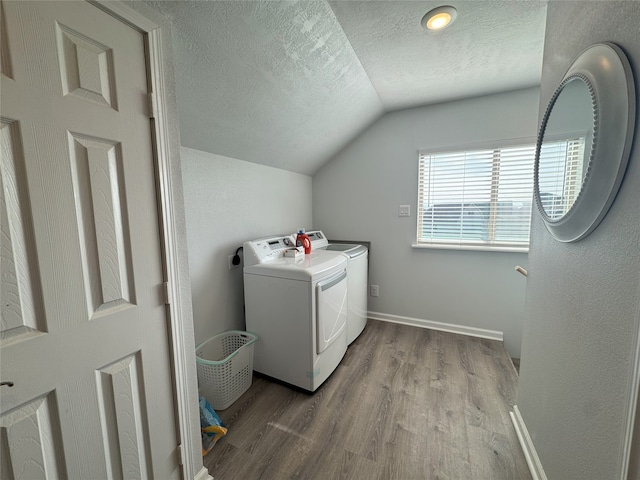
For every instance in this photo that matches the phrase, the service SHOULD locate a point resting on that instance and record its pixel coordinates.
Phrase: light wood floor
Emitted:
(405, 403)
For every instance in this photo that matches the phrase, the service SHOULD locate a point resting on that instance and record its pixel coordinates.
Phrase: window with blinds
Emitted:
(476, 198)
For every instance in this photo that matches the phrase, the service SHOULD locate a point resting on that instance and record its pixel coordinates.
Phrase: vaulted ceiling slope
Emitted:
(290, 83)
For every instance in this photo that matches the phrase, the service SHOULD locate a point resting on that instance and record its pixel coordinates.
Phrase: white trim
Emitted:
(633, 413)
(476, 248)
(529, 450)
(203, 474)
(176, 274)
(125, 14)
(181, 353)
(443, 327)
(486, 145)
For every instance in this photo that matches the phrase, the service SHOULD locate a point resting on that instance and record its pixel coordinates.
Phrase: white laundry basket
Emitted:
(225, 367)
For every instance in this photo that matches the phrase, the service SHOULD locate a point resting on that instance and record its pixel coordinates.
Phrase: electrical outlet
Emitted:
(231, 265)
(404, 211)
(375, 290)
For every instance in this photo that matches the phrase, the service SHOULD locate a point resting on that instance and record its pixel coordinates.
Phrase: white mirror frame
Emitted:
(605, 69)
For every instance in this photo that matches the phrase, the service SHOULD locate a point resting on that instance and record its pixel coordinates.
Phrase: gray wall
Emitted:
(582, 320)
(228, 202)
(356, 196)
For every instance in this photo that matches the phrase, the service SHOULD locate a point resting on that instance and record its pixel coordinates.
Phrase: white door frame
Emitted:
(166, 144)
(630, 462)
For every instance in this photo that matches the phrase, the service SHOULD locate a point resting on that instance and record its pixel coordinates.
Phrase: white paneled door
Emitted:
(84, 329)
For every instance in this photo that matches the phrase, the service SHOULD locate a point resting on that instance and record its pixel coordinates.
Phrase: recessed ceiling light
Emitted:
(439, 18)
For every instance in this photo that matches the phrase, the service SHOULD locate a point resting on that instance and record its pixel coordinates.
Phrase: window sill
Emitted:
(478, 248)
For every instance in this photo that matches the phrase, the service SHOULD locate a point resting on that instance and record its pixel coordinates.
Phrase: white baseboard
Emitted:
(443, 327)
(526, 443)
(203, 474)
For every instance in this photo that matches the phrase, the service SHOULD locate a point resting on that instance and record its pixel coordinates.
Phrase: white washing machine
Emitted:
(357, 275)
(298, 308)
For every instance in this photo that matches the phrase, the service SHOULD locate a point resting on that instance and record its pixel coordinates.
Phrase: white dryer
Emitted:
(298, 308)
(357, 274)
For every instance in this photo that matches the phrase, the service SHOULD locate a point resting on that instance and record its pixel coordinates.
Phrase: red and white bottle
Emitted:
(303, 240)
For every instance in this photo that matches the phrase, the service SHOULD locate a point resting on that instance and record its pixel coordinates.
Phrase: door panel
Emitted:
(20, 292)
(121, 398)
(31, 440)
(98, 186)
(86, 67)
(85, 335)
(5, 54)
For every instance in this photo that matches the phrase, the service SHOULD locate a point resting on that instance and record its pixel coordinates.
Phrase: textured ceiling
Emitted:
(493, 46)
(290, 83)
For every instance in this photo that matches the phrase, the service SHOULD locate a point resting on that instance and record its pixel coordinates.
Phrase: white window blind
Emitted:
(478, 198)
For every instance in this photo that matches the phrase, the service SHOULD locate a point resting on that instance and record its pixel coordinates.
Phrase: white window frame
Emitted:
(460, 244)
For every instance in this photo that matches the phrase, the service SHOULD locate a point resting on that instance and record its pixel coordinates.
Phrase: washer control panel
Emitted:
(318, 240)
(266, 249)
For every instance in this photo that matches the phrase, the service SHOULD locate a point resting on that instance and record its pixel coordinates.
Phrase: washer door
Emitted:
(331, 310)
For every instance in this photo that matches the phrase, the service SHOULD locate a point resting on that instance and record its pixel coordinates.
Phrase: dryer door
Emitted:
(331, 310)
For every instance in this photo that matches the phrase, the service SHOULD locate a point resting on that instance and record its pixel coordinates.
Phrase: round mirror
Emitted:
(565, 150)
(584, 142)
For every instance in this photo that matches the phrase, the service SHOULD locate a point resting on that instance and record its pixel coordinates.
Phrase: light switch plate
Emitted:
(404, 211)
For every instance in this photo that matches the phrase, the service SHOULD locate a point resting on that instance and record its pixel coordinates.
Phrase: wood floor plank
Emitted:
(488, 389)
(404, 404)
(448, 453)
